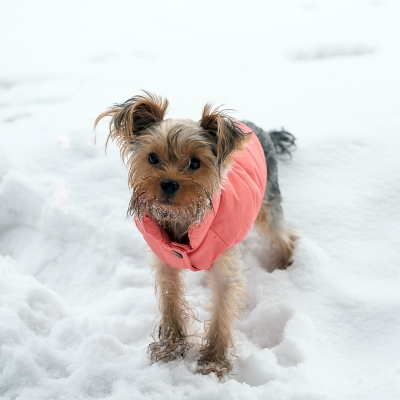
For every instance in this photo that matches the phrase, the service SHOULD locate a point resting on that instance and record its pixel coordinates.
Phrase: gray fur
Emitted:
(274, 143)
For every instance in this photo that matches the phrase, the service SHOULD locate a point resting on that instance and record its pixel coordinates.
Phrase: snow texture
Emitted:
(77, 304)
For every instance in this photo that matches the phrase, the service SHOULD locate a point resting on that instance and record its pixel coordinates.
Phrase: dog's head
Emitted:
(176, 166)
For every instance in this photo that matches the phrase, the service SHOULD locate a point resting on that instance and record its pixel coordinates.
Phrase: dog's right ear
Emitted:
(132, 117)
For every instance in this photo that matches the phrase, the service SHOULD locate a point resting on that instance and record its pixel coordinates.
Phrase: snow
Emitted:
(77, 304)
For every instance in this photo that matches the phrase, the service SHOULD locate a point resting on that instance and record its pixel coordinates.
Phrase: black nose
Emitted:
(169, 187)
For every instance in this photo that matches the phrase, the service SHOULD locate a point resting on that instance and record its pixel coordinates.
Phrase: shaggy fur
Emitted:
(176, 168)
(176, 315)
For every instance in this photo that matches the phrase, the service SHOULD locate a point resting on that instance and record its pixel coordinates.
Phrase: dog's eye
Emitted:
(194, 163)
(153, 159)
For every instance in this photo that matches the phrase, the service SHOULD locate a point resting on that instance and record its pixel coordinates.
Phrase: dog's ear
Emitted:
(224, 132)
(132, 117)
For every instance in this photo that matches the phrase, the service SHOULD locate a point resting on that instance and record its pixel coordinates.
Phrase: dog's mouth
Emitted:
(166, 209)
(167, 201)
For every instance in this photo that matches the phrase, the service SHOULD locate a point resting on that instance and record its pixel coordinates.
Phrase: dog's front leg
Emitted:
(175, 314)
(228, 296)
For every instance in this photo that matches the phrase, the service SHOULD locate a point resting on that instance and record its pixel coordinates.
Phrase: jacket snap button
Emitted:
(177, 254)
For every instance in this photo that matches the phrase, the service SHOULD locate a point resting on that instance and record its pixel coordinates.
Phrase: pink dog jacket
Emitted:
(235, 209)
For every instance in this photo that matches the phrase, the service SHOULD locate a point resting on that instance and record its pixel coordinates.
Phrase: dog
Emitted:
(197, 188)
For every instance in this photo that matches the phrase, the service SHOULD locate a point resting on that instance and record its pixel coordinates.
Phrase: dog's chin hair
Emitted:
(169, 215)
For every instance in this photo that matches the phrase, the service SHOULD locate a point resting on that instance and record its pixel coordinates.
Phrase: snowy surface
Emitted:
(77, 304)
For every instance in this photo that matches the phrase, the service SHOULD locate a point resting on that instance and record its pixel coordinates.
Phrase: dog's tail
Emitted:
(284, 142)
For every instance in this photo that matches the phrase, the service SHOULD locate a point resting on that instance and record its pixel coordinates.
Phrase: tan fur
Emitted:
(228, 299)
(175, 314)
(281, 236)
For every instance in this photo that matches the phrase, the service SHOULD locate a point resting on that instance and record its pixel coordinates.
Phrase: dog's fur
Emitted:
(157, 149)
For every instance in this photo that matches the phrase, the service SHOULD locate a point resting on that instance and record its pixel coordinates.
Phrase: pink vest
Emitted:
(235, 209)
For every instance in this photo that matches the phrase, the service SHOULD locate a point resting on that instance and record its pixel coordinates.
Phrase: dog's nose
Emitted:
(169, 187)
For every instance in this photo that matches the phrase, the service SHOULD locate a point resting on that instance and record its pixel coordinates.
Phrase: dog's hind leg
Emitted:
(228, 296)
(175, 314)
(270, 223)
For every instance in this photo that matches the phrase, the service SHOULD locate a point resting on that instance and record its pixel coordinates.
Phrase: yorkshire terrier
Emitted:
(197, 188)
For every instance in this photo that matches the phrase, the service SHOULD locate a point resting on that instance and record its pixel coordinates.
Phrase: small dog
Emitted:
(197, 188)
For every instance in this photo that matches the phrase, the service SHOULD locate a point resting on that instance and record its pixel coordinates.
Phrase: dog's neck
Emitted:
(177, 231)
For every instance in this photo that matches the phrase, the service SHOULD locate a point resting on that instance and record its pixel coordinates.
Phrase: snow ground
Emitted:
(77, 305)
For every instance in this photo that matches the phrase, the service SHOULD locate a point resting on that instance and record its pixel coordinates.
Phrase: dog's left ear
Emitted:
(224, 131)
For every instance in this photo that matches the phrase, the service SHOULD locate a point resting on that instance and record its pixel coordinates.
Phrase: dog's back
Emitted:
(275, 144)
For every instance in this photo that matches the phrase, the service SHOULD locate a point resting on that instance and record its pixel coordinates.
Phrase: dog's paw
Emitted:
(283, 254)
(168, 350)
(282, 263)
(207, 365)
